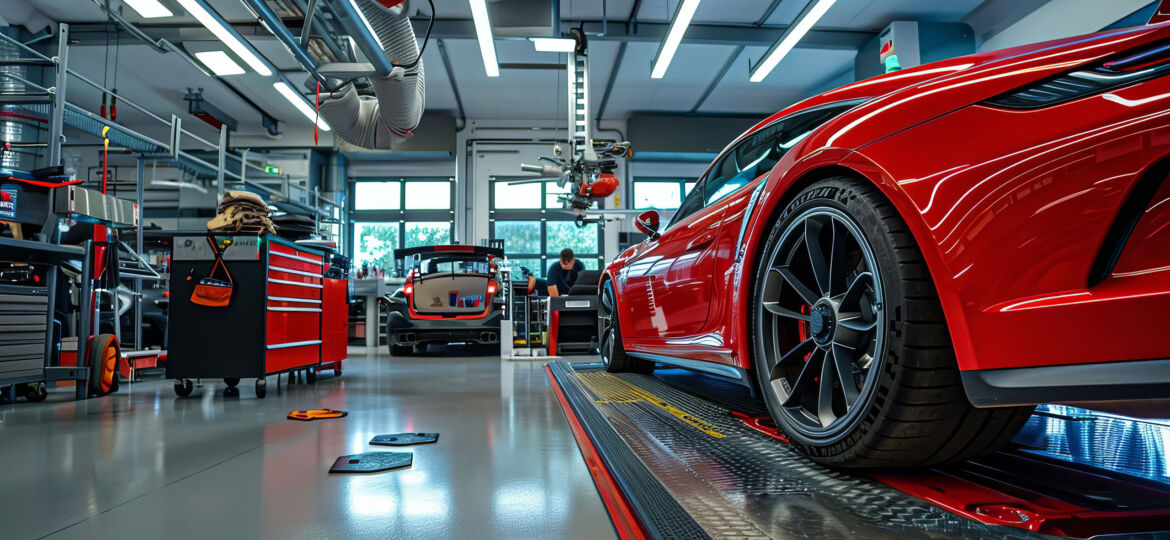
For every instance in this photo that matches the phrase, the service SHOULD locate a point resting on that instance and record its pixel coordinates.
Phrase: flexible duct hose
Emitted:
(372, 122)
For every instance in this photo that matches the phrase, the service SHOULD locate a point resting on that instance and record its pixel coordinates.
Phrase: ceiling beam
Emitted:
(718, 78)
(705, 34)
(746, 35)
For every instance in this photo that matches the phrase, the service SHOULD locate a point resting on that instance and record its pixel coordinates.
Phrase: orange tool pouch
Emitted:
(210, 291)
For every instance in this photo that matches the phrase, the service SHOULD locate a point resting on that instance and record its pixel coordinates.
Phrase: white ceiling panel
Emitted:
(795, 78)
(876, 14)
(689, 74)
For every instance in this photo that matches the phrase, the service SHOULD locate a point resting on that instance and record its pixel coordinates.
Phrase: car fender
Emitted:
(782, 186)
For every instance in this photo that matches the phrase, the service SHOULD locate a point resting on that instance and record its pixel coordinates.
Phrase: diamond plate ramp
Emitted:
(743, 484)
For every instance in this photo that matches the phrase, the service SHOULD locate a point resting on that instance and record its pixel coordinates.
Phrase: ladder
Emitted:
(581, 141)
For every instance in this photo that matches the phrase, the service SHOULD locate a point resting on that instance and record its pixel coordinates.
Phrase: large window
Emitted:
(394, 213)
(661, 193)
(534, 227)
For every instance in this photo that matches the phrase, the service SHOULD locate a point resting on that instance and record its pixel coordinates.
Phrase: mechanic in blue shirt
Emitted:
(561, 276)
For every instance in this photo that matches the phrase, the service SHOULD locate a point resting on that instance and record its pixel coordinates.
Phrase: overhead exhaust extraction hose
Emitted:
(399, 97)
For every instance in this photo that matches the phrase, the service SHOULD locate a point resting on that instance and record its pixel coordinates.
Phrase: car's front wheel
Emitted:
(852, 350)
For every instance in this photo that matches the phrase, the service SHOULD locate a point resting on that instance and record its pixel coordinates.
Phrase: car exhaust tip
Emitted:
(487, 337)
(408, 338)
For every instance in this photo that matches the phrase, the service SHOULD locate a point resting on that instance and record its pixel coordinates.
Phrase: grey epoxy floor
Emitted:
(143, 464)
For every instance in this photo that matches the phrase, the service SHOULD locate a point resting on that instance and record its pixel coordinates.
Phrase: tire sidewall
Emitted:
(843, 195)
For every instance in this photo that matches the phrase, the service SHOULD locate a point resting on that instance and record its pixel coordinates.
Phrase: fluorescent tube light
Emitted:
(228, 37)
(674, 35)
(790, 38)
(300, 103)
(220, 63)
(548, 44)
(148, 9)
(483, 31)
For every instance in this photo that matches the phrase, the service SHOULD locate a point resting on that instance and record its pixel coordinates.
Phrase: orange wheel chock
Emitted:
(316, 414)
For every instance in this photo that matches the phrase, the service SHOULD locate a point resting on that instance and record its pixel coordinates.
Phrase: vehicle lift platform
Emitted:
(677, 454)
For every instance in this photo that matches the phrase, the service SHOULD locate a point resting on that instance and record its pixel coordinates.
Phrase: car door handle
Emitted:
(701, 242)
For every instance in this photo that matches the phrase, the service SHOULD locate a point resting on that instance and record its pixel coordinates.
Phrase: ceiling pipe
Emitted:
(399, 97)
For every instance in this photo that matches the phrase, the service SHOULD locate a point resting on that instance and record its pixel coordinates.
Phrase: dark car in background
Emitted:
(451, 295)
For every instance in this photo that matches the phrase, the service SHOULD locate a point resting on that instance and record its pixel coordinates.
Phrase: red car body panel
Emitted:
(1010, 208)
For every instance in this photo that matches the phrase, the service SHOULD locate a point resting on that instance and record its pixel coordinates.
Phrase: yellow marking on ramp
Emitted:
(611, 389)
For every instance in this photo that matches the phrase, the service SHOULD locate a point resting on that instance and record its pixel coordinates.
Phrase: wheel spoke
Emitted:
(798, 351)
(853, 331)
(801, 289)
(775, 309)
(816, 255)
(837, 262)
(843, 360)
(855, 289)
(825, 391)
(607, 301)
(803, 381)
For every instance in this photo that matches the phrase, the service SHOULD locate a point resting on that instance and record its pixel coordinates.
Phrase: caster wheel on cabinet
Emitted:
(231, 391)
(232, 382)
(337, 373)
(311, 376)
(261, 388)
(184, 387)
(35, 392)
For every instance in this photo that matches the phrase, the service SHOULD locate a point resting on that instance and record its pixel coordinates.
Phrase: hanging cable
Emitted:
(426, 39)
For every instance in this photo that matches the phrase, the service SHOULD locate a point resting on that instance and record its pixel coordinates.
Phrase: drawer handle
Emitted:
(295, 283)
(293, 344)
(286, 299)
(295, 257)
(291, 271)
(304, 309)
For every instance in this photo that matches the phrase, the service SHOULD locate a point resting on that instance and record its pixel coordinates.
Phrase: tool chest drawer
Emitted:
(285, 326)
(23, 319)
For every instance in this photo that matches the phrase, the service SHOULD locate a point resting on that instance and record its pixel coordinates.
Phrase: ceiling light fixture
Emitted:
(674, 35)
(148, 9)
(300, 103)
(812, 13)
(214, 24)
(548, 44)
(483, 31)
(220, 63)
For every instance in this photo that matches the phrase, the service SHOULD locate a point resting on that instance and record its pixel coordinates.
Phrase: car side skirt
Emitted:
(738, 375)
(1105, 381)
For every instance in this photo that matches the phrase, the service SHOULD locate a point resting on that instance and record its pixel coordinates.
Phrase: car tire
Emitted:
(609, 335)
(867, 313)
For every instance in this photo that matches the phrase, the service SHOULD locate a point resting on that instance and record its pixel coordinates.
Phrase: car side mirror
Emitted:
(648, 222)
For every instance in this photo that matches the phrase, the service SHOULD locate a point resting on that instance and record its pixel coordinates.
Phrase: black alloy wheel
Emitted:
(609, 334)
(821, 311)
(851, 348)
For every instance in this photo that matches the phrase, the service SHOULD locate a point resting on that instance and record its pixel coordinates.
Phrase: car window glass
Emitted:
(758, 153)
(693, 203)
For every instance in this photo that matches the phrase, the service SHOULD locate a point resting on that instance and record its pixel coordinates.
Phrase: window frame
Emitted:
(403, 216)
(545, 214)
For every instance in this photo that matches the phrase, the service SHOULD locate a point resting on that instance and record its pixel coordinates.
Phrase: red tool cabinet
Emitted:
(278, 319)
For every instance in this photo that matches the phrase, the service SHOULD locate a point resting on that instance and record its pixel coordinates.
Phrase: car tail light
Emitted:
(1124, 69)
(491, 287)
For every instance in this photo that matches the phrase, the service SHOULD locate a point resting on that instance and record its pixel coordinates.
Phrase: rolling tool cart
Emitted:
(334, 314)
(269, 322)
(27, 326)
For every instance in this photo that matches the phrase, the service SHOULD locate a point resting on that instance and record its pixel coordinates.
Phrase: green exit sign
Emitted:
(272, 169)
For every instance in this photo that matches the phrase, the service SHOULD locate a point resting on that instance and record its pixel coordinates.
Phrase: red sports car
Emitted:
(904, 266)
